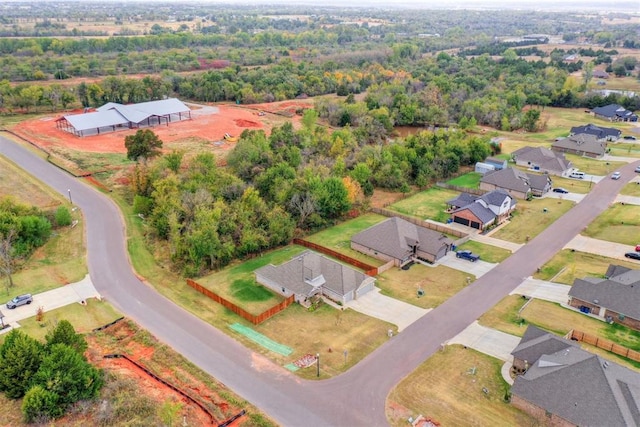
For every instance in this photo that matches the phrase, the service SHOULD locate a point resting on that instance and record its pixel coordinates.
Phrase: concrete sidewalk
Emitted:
(50, 300)
(388, 309)
(544, 290)
(488, 341)
(488, 240)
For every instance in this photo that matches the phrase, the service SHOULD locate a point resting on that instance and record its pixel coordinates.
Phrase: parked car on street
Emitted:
(560, 190)
(633, 255)
(468, 255)
(637, 169)
(615, 175)
(20, 300)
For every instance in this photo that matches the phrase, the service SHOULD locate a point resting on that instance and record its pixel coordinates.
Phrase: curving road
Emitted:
(356, 398)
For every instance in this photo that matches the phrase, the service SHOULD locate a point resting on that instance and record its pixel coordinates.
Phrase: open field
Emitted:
(568, 265)
(631, 189)
(338, 237)
(593, 166)
(16, 183)
(448, 389)
(438, 283)
(505, 316)
(487, 253)
(530, 219)
(429, 204)
(619, 223)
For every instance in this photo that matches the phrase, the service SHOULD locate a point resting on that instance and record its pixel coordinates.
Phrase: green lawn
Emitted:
(438, 284)
(580, 186)
(619, 223)
(568, 265)
(487, 253)
(631, 189)
(468, 180)
(338, 237)
(593, 166)
(530, 219)
(624, 149)
(429, 204)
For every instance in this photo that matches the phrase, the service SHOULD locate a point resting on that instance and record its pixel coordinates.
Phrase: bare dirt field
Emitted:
(208, 125)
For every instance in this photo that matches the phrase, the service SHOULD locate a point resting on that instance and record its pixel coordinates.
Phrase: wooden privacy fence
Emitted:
(473, 191)
(369, 270)
(604, 344)
(440, 228)
(254, 319)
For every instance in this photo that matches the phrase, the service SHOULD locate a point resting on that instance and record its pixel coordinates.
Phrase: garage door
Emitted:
(462, 221)
(475, 225)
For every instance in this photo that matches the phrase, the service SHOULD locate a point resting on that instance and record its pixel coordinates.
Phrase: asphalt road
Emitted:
(356, 398)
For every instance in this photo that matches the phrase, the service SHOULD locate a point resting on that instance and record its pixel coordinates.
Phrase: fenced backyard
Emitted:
(604, 344)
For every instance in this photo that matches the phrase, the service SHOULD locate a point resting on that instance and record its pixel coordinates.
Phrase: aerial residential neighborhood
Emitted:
(286, 215)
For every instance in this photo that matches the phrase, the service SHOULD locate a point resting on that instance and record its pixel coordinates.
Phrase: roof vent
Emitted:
(595, 301)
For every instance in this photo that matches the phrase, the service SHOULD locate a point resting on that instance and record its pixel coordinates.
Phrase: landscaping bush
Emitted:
(63, 216)
(40, 405)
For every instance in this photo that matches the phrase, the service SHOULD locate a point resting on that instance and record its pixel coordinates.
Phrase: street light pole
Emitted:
(69, 191)
(318, 364)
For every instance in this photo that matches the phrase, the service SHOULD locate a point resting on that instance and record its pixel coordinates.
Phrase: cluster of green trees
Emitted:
(280, 185)
(50, 376)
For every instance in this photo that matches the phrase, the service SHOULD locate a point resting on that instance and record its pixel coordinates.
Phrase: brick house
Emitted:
(310, 274)
(517, 184)
(615, 298)
(581, 144)
(543, 160)
(614, 113)
(401, 241)
(601, 133)
(566, 386)
(481, 212)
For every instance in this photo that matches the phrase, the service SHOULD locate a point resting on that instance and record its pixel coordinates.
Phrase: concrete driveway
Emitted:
(600, 247)
(390, 310)
(478, 268)
(542, 289)
(50, 300)
(574, 197)
(488, 341)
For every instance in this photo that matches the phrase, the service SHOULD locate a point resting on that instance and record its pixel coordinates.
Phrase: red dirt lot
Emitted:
(208, 123)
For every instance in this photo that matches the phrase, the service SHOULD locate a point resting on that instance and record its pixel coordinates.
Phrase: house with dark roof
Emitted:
(541, 159)
(310, 274)
(614, 113)
(401, 241)
(601, 133)
(600, 74)
(481, 212)
(615, 298)
(113, 116)
(518, 184)
(566, 386)
(581, 144)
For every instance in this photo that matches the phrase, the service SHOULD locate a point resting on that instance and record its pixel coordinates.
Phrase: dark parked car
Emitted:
(20, 300)
(560, 190)
(468, 255)
(633, 255)
(629, 137)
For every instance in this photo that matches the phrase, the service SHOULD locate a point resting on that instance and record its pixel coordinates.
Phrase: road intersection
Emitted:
(355, 398)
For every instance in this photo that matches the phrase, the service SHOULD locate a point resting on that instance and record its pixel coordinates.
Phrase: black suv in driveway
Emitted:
(468, 255)
(633, 255)
(20, 300)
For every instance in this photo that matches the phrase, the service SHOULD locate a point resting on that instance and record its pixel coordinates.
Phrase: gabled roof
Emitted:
(597, 131)
(620, 293)
(485, 215)
(307, 272)
(582, 388)
(544, 158)
(612, 110)
(497, 197)
(582, 142)
(462, 200)
(537, 342)
(394, 236)
(515, 180)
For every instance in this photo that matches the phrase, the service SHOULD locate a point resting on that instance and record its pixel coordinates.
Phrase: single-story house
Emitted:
(480, 212)
(518, 184)
(310, 274)
(543, 160)
(566, 386)
(582, 144)
(600, 74)
(401, 241)
(615, 299)
(602, 133)
(615, 113)
(113, 116)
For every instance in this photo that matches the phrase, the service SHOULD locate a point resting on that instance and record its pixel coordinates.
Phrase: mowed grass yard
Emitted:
(505, 317)
(438, 283)
(530, 219)
(619, 223)
(429, 204)
(487, 253)
(338, 237)
(468, 180)
(567, 265)
(631, 189)
(593, 166)
(447, 388)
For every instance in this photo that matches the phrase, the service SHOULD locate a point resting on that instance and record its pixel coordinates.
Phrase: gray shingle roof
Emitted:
(537, 342)
(582, 142)
(620, 292)
(485, 215)
(462, 200)
(308, 271)
(544, 158)
(392, 237)
(515, 180)
(612, 110)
